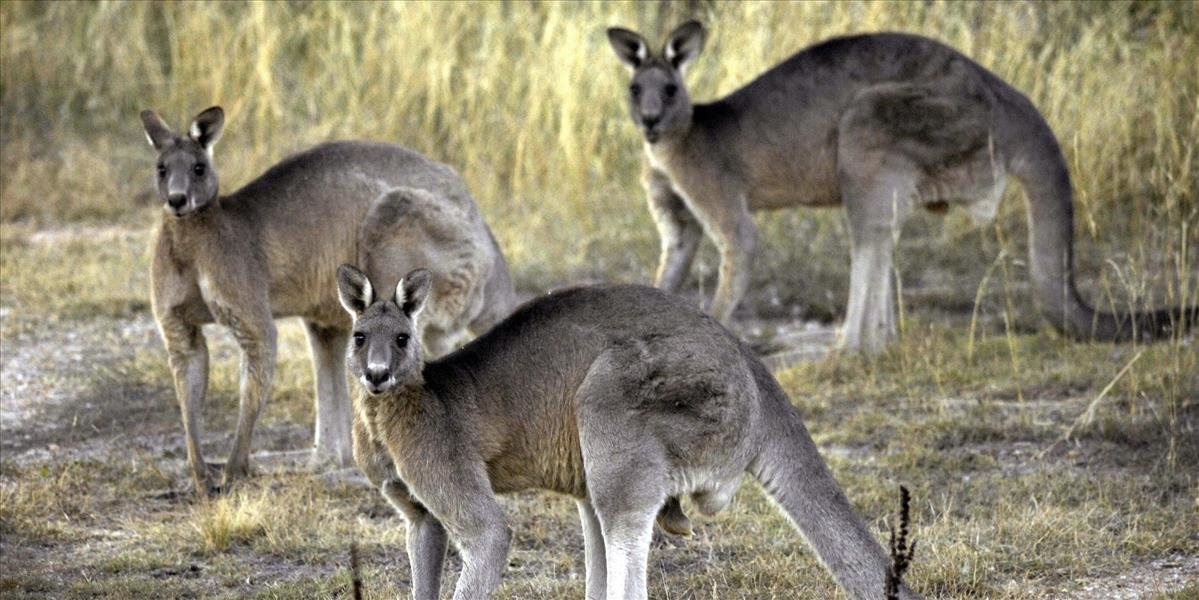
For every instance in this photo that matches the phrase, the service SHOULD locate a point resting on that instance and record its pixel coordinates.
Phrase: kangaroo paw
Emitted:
(672, 519)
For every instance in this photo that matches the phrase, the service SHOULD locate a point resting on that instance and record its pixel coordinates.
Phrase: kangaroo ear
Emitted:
(157, 131)
(413, 290)
(207, 126)
(354, 290)
(630, 47)
(684, 44)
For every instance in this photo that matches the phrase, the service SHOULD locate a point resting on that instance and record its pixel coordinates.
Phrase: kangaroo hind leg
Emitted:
(626, 475)
(332, 440)
(876, 206)
(593, 552)
(902, 145)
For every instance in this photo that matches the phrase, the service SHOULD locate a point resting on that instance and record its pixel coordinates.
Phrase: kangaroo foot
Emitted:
(285, 460)
(348, 476)
(314, 460)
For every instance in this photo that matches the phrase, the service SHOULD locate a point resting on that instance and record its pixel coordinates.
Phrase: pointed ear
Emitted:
(157, 131)
(207, 126)
(413, 290)
(630, 47)
(684, 44)
(354, 290)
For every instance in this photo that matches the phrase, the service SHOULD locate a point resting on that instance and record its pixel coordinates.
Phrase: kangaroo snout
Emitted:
(377, 376)
(176, 201)
(650, 124)
(377, 380)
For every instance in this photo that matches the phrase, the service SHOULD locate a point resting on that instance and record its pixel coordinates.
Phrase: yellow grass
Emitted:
(526, 101)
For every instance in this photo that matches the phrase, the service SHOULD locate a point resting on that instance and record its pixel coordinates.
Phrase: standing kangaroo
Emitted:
(269, 250)
(621, 397)
(883, 123)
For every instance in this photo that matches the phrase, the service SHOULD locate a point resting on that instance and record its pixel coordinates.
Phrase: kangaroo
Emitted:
(620, 396)
(882, 123)
(269, 250)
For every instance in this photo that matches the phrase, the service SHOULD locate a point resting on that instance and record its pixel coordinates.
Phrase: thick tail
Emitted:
(1039, 165)
(794, 474)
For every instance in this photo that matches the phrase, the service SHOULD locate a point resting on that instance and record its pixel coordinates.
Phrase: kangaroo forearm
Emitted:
(257, 360)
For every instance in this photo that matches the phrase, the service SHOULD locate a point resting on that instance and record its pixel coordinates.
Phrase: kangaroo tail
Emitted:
(1041, 169)
(793, 473)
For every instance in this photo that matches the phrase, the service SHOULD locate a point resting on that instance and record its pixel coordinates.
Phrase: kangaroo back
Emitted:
(796, 477)
(426, 231)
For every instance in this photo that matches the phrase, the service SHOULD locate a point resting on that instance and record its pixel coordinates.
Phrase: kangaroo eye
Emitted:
(671, 89)
(162, 170)
(635, 90)
(199, 169)
(402, 340)
(359, 339)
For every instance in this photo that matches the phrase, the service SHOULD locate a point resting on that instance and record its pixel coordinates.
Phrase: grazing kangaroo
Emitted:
(883, 123)
(269, 250)
(620, 396)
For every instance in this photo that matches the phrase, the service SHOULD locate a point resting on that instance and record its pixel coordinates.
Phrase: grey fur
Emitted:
(882, 123)
(269, 250)
(622, 397)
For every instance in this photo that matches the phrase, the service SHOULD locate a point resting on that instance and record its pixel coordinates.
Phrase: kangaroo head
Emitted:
(186, 179)
(658, 98)
(384, 350)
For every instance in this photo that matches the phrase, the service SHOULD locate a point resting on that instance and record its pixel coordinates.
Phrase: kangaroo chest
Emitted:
(236, 280)
(765, 176)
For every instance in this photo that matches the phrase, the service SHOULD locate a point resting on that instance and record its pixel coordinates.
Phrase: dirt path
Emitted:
(1161, 576)
(46, 370)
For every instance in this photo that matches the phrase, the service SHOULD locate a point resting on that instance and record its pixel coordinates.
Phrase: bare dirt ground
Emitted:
(1160, 576)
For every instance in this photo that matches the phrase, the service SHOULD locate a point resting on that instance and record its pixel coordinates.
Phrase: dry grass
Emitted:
(1015, 494)
(526, 100)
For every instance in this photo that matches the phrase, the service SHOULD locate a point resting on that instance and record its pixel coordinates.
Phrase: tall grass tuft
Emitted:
(239, 518)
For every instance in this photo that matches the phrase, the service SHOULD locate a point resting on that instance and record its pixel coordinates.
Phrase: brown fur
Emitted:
(622, 397)
(270, 249)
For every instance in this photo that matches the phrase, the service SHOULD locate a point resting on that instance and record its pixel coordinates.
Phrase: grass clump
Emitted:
(238, 518)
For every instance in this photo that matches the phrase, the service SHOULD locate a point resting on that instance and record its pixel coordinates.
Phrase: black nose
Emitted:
(649, 122)
(376, 377)
(177, 201)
